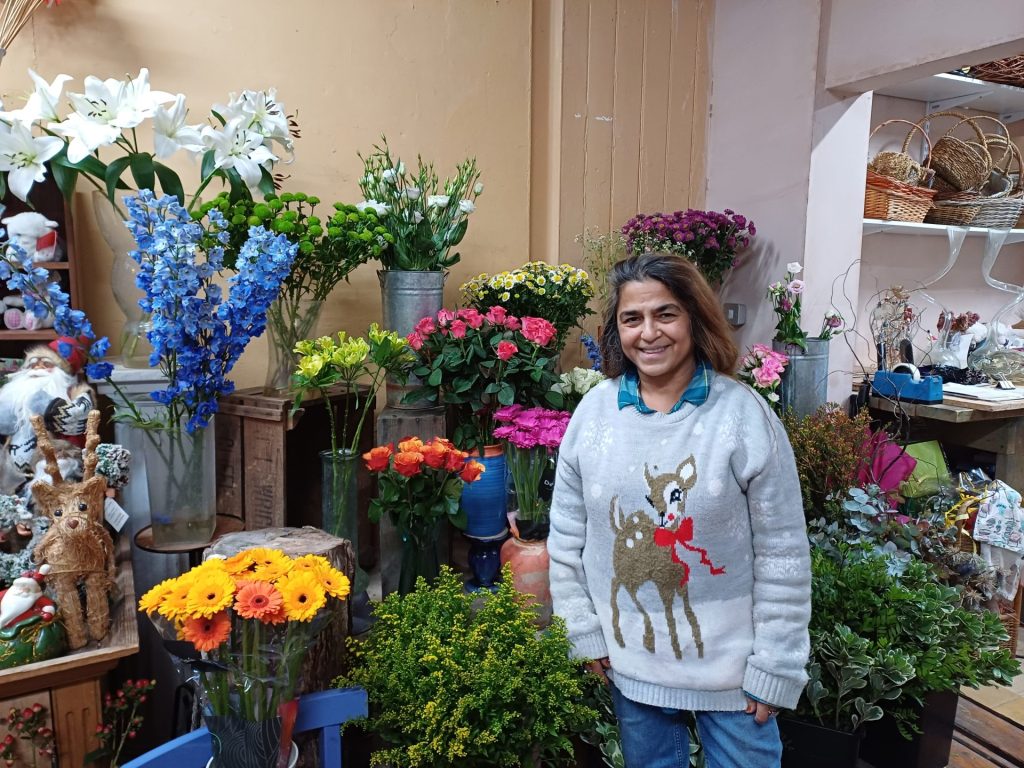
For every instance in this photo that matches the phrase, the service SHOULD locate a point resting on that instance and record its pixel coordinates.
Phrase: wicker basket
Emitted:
(892, 200)
(900, 165)
(1008, 71)
(963, 165)
(1003, 211)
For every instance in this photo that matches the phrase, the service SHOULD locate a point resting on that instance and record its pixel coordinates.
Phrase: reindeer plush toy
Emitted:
(77, 547)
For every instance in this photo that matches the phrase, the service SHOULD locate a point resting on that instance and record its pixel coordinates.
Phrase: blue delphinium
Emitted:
(197, 335)
(593, 351)
(43, 296)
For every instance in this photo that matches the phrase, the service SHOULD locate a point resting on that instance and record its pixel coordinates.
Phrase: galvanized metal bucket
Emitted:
(406, 298)
(804, 387)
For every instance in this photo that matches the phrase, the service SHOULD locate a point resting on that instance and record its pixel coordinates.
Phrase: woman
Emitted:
(679, 557)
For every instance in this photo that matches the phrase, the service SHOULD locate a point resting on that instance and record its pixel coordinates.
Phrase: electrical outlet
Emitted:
(736, 314)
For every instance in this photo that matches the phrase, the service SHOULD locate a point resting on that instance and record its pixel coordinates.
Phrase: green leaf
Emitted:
(64, 178)
(208, 166)
(435, 377)
(266, 185)
(88, 164)
(141, 164)
(506, 395)
(169, 182)
(113, 174)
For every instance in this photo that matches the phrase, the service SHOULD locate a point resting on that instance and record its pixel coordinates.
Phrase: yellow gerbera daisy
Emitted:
(212, 592)
(310, 563)
(303, 595)
(154, 598)
(240, 562)
(270, 564)
(175, 603)
(334, 582)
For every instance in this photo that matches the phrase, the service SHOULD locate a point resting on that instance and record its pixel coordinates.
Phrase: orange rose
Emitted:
(434, 454)
(408, 463)
(455, 460)
(410, 445)
(472, 471)
(377, 458)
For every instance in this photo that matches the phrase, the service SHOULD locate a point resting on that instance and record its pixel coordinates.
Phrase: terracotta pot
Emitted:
(530, 565)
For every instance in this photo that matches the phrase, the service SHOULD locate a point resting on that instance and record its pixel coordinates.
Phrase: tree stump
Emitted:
(325, 658)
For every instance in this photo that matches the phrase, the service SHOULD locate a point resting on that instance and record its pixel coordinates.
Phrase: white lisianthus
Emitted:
(413, 193)
(466, 206)
(437, 201)
(389, 175)
(401, 168)
(416, 216)
(170, 133)
(794, 268)
(772, 397)
(23, 156)
(478, 188)
(796, 286)
(379, 208)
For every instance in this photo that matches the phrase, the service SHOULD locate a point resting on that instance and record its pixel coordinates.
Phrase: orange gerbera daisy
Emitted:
(303, 595)
(211, 593)
(206, 633)
(256, 599)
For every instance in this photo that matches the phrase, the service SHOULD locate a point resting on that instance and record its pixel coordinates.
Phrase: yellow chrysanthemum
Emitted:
(154, 598)
(310, 563)
(212, 592)
(505, 296)
(303, 595)
(175, 602)
(334, 582)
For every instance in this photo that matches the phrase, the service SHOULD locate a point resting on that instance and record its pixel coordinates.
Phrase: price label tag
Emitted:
(114, 514)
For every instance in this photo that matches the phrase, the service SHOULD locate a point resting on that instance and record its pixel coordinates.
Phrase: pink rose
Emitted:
(512, 323)
(473, 318)
(496, 315)
(415, 341)
(538, 330)
(426, 326)
(765, 378)
(458, 329)
(506, 349)
(444, 317)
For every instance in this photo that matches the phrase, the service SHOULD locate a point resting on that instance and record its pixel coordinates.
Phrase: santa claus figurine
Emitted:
(47, 385)
(28, 630)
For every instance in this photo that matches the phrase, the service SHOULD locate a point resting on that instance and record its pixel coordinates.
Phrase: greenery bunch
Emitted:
(121, 720)
(425, 218)
(829, 448)
(560, 294)
(451, 684)
(601, 251)
(862, 610)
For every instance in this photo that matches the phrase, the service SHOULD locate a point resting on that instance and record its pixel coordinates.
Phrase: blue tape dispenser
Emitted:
(909, 386)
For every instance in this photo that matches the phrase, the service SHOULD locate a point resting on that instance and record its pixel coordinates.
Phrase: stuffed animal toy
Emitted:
(35, 234)
(77, 547)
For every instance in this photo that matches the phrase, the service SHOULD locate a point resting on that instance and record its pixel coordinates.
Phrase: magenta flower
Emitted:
(506, 349)
(538, 330)
(496, 315)
(458, 329)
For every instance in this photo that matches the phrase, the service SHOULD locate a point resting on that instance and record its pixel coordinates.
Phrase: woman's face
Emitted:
(654, 329)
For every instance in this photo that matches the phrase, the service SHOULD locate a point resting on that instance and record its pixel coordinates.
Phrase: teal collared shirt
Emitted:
(696, 392)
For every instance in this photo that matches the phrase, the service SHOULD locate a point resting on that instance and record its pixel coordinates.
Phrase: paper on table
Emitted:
(978, 392)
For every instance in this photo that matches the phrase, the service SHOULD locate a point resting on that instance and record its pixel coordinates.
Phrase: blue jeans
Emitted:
(653, 737)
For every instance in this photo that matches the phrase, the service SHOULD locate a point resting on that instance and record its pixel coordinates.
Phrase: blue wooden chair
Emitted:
(324, 710)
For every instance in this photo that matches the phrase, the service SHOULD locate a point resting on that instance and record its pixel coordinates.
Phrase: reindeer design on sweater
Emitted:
(645, 552)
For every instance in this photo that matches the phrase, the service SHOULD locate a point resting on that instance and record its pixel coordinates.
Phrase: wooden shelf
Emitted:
(877, 226)
(46, 334)
(53, 265)
(946, 91)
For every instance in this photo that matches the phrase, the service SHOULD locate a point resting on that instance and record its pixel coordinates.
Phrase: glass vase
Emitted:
(531, 478)
(180, 471)
(290, 319)
(135, 346)
(340, 503)
(419, 558)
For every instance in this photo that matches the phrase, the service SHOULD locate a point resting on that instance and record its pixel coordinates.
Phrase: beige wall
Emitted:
(588, 110)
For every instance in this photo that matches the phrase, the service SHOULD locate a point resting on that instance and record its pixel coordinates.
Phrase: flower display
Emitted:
(786, 296)
(831, 325)
(531, 436)
(709, 239)
(762, 369)
(252, 618)
(559, 294)
(236, 143)
(198, 334)
(573, 385)
(425, 218)
(481, 361)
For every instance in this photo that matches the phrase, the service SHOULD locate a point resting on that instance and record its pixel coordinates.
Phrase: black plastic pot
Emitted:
(884, 747)
(808, 745)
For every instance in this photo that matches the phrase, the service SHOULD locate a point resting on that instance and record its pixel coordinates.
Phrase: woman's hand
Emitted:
(760, 711)
(599, 667)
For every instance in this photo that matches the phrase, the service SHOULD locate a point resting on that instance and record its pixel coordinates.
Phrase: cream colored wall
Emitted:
(580, 113)
(445, 78)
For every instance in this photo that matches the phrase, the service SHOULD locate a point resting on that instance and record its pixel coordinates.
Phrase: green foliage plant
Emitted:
(601, 251)
(869, 622)
(454, 684)
(829, 448)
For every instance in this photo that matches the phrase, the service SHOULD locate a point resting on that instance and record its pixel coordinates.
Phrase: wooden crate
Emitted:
(71, 686)
(268, 463)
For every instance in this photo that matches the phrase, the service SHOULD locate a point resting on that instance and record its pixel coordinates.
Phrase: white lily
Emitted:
(42, 103)
(243, 150)
(23, 156)
(86, 134)
(170, 132)
(138, 101)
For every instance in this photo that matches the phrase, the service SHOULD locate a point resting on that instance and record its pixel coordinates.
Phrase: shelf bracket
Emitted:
(1012, 117)
(956, 101)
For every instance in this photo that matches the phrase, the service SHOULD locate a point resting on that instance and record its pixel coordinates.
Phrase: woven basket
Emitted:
(1003, 210)
(1008, 71)
(963, 165)
(891, 200)
(900, 165)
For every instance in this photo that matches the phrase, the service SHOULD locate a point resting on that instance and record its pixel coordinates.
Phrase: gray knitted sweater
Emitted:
(678, 549)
